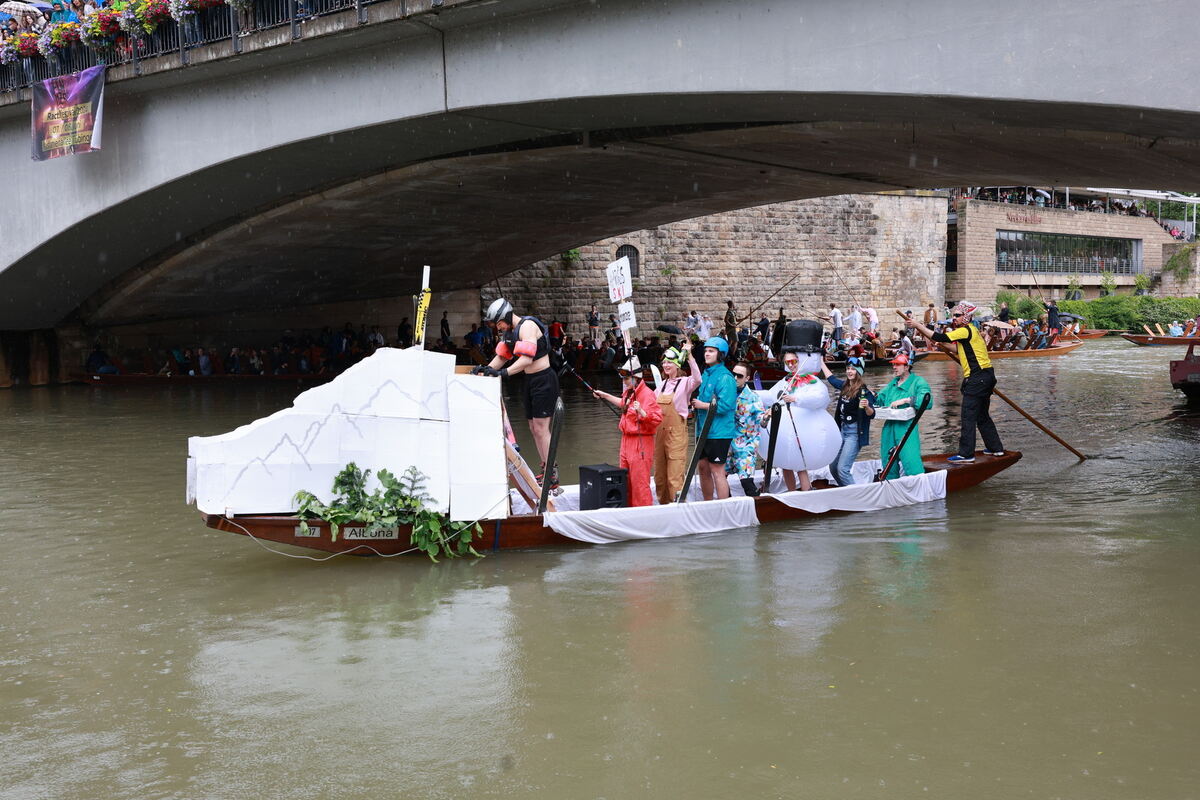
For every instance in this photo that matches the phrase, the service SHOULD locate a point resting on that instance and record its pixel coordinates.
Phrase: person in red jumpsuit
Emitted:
(640, 417)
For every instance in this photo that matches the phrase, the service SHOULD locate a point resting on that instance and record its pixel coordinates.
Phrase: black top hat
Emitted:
(802, 336)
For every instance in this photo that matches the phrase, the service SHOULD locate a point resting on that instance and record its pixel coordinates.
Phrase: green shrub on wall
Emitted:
(1115, 312)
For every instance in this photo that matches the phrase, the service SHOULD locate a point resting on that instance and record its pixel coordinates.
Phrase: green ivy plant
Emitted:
(1108, 283)
(1180, 264)
(399, 501)
(571, 256)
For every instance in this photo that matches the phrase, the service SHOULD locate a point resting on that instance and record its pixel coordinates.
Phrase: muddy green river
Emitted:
(1038, 636)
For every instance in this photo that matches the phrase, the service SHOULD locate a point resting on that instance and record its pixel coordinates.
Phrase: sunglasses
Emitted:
(740, 376)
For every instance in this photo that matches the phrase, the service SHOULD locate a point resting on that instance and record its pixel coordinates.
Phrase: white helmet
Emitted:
(500, 309)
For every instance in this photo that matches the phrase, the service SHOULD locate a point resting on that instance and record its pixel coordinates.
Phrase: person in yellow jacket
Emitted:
(979, 382)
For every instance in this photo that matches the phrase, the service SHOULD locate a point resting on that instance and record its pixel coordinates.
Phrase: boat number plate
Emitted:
(380, 532)
(313, 532)
(1194, 377)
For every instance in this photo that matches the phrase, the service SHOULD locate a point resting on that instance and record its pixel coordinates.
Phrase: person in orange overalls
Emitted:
(640, 417)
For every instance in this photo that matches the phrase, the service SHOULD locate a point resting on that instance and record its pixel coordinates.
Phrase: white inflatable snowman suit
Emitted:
(809, 437)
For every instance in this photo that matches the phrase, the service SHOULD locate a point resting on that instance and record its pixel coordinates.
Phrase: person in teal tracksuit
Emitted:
(905, 389)
(717, 386)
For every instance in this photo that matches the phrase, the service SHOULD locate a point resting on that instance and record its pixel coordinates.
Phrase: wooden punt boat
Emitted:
(1146, 340)
(1185, 374)
(774, 372)
(1095, 333)
(145, 378)
(531, 530)
(1058, 350)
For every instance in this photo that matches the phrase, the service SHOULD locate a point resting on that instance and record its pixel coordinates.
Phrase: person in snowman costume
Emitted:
(808, 436)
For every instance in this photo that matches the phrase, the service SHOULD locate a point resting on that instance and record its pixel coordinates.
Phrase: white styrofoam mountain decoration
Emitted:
(392, 410)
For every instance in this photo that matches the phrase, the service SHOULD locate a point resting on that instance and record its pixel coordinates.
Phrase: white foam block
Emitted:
(479, 480)
(437, 368)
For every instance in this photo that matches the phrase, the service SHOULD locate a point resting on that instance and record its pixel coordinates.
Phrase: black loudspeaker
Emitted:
(603, 486)
(802, 336)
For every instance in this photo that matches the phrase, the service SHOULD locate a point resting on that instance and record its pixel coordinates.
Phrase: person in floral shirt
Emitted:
(748, 417)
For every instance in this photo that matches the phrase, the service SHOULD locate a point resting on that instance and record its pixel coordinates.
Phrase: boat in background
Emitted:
(1057, 350)
(1146, 340)
(1095, 333)
(145, 378)
(1185, 374)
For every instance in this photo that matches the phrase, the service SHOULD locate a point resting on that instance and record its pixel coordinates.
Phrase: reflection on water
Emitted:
(1036, 635)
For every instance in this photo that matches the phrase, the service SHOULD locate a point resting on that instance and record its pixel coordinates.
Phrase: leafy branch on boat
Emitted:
(399, 501)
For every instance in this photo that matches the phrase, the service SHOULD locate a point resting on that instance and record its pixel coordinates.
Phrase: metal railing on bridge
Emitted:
(173, 40)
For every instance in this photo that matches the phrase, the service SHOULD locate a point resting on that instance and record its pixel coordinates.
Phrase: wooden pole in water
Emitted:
(1015, 407)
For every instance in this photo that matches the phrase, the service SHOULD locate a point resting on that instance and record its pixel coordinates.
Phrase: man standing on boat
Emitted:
(717, 385)
(524, 346)
(979, 381)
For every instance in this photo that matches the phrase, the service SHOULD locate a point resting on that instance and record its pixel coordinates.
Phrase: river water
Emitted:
(1037, 636)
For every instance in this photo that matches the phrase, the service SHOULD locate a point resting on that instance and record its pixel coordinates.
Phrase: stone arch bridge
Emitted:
(481, 135)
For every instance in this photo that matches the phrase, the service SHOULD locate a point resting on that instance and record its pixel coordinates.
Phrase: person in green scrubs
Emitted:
(905, 389)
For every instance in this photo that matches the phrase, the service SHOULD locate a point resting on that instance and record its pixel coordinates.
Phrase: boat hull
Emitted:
(1060, 350)
(1185, 374)
(1095, 333)
(529, 531)
(1145, 340)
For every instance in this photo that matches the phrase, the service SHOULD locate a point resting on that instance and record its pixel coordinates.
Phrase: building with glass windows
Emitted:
(994, 245)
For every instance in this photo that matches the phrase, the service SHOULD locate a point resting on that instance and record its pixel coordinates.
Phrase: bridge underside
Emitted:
(474, 215)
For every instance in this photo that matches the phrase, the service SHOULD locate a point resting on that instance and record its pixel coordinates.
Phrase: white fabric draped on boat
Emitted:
(653, 522)
(870, 496)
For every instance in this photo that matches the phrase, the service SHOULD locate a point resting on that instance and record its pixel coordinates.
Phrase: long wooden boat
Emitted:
(147, 379)
(1185, 374)
(1096, 333)
(1058, 350)
(532, 531)
(1145, 340)
(774, 372)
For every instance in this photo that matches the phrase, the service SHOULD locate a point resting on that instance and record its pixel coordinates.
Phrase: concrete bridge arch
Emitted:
(491, 134)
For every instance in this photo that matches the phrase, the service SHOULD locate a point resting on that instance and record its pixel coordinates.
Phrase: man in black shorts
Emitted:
(524, 346)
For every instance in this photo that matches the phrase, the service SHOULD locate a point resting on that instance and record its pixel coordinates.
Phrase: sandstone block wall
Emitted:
(882, 250)
(978, 221)
(1188, 286)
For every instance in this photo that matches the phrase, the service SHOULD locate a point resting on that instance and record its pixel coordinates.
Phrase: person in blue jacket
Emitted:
(855, 407)
(718, 387)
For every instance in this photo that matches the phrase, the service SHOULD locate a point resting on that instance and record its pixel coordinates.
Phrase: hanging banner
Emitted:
(620, 281)
(67, 112)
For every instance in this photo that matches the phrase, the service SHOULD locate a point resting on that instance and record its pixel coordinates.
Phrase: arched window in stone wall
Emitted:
(630, 252)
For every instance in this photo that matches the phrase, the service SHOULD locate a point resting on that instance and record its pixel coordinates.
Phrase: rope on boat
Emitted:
(301, 556)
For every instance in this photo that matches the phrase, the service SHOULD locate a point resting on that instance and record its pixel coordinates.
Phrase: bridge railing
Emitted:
(174, 40)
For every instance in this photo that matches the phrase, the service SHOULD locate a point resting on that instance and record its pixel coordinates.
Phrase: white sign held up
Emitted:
(625, 316)
(620, 282)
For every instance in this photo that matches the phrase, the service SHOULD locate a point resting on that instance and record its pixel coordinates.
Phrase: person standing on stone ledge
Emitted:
(731, 322)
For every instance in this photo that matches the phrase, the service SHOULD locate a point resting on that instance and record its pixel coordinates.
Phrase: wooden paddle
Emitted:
(1015, 407)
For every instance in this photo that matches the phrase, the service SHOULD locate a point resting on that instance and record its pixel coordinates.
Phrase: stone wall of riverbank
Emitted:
(882, 250)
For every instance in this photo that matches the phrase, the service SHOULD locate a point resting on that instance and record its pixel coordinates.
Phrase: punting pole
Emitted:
(422, 308)
(552, 451)
(588, 386)
(912, 426)
(700, 440)
(1015, 407)
(772, 438)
